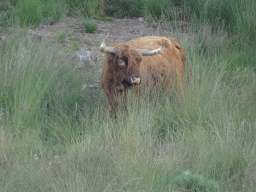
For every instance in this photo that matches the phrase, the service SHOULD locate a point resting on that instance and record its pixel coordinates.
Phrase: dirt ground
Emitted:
(120, 30)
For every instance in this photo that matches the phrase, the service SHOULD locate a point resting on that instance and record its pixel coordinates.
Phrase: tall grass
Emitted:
(245, 22)
(236, 17)
(35, 80)
(52, 11)
(56, 136)
(121, 8)
(88, 8)
(29, 12)
(157, 8)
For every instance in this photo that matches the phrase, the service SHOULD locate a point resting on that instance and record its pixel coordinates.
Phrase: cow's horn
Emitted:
(105, 49)
(146, 52)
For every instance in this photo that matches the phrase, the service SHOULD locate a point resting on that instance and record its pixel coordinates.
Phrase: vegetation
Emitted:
(193, 182)
(52, 11)
(234, 16)
(121, 8)
(157, 8)
(56, 135)
(90, 25)
(88, 8)
(68, 40)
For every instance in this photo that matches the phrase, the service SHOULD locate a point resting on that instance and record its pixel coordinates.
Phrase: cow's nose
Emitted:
(135, 80)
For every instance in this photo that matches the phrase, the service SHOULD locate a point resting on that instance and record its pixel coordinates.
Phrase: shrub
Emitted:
(193, 182)
(90, 25)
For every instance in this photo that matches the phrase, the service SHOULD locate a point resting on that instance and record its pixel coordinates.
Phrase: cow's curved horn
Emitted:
(146, 52)
(105, 48)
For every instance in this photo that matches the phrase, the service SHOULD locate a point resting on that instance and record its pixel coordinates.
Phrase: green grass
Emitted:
(121, 8)
(233, 16)
(193, 182)
(52, 11)
(90, 25)
(29, 12)
(88, 8)
(157, 8)
(8, 18)
(68, 41)
(57, 136)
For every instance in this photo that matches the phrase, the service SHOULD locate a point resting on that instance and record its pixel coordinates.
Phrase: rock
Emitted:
(91, 86)
(140, 19)
(79, 59)
(83, 58)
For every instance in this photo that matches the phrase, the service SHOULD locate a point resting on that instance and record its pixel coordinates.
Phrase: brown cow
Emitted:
(134, 63)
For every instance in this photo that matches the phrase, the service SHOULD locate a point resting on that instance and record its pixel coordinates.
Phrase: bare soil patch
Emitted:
(120, 30)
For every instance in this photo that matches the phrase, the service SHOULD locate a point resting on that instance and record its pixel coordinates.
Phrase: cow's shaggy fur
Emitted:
(168, 66)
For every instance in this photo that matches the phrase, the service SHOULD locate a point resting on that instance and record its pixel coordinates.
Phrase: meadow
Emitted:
(56, 136)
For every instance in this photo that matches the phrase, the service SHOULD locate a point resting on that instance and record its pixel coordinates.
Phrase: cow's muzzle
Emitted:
(135, 80)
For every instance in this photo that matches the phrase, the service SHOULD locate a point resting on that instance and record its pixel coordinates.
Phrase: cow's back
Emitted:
(167, 63)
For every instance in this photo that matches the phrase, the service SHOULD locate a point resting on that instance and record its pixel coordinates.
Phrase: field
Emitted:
(56, 134)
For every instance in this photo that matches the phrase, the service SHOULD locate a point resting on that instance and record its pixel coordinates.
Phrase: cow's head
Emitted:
(125, 61)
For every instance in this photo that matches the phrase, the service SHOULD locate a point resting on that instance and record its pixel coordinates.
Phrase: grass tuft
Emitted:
(194, 182)
(90, 25)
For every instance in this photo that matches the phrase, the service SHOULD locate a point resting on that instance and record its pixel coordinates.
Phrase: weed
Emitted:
(75, 46)
(61, 38)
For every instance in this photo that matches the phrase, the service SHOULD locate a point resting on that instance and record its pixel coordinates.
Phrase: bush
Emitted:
(90, 25)
(193, 182)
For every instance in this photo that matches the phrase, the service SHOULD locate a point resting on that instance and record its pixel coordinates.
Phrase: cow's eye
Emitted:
(121, 63)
